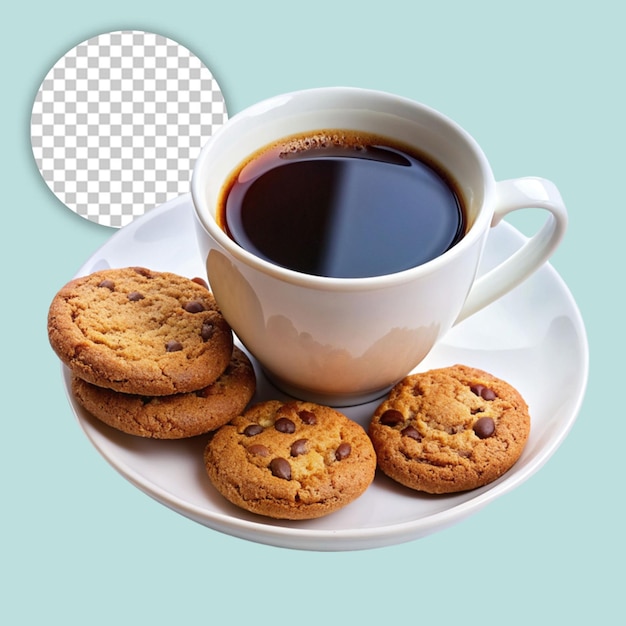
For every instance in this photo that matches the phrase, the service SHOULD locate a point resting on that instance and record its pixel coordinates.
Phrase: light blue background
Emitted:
(540, 85)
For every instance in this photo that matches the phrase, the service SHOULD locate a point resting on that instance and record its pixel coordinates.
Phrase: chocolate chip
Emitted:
(253, 429)
(280, 468)
(476, 389)
(307, 417)
(134, 296)
(107, 284)
(207, 331)
(391, 417)
(286, 409)
(343, 451)
(200, 281)
(143, 271)
(258, 450)
(412, 432)
(488, 394)
(483, 392)
(284, 425)
(484, 427)
(300, 446)
(195, 306)
(173, 346)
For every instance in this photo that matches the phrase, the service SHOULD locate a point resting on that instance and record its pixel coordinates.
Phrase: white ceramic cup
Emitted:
(345, 341)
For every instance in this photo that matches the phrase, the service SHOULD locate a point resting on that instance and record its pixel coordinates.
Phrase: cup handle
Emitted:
(513, 195)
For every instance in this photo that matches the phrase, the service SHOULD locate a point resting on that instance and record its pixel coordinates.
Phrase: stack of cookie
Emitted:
(150, 353)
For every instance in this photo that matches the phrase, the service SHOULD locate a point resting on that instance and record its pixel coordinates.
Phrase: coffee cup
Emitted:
(347, 339)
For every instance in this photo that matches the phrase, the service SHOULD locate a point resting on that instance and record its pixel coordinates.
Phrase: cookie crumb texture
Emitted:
(139, 331)
(449, 430)
(296, 460)
(176, 416)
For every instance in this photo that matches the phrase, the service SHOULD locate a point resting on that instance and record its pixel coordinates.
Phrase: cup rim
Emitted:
(325, 283)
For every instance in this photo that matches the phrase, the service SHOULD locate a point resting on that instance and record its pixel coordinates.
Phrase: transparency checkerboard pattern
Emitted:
(118, 122)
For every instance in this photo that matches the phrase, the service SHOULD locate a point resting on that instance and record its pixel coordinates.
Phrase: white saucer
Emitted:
(534, 338)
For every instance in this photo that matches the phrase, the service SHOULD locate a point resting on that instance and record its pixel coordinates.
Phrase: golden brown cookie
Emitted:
(176, 416)
(138, 331)
(296, 460)
(449, 429)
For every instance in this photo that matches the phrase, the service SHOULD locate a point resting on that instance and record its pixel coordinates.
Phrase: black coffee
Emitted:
(341, 205)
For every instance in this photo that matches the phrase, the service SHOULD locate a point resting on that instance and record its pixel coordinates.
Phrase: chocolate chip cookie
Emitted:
(296, 460)
(175, 416)
(449, 429)
(138, 331)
